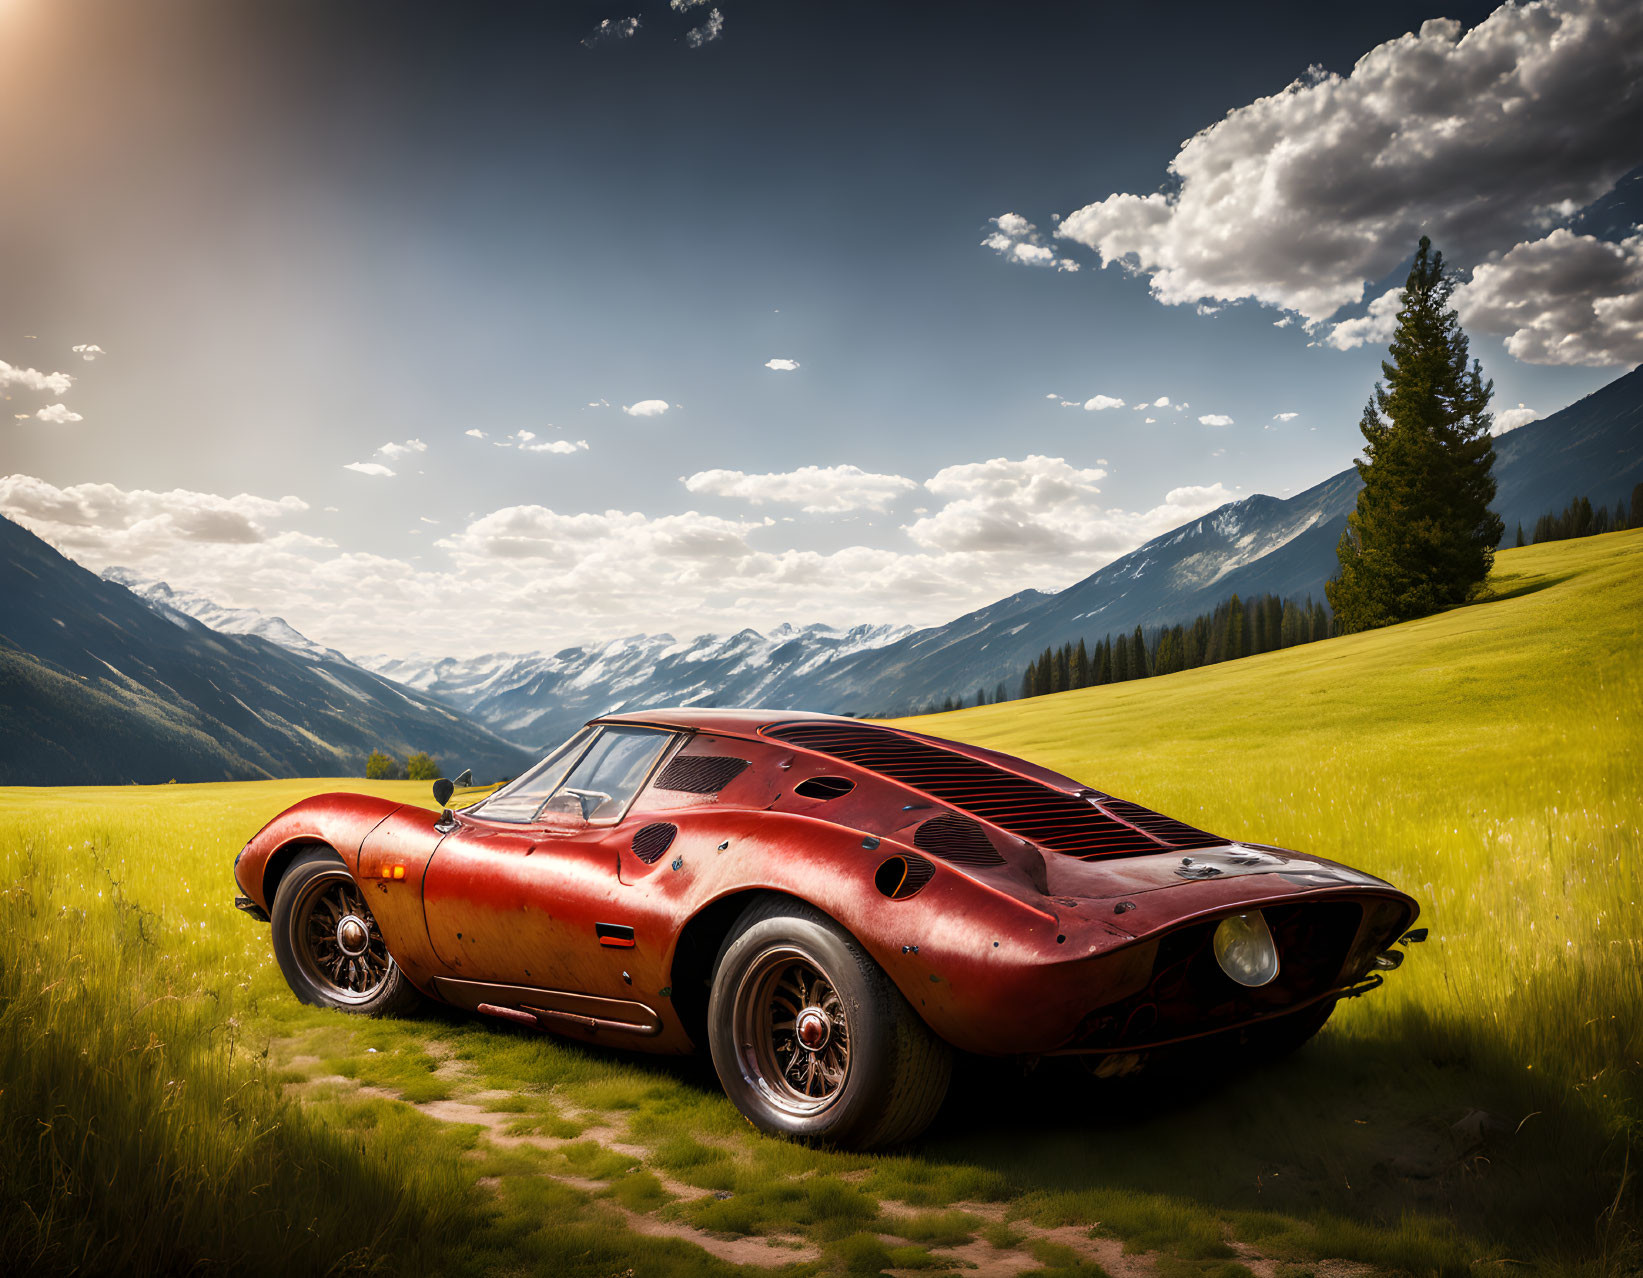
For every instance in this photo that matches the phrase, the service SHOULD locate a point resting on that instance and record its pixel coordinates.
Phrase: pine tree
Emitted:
(1081, 666)
(1422, 536)
(1520, 533)
(999, 693)
(1138, 655)
(1637, 506)
(1120, 659)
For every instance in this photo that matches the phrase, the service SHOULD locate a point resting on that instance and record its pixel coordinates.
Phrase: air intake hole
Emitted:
(824, 787)
(900, 877)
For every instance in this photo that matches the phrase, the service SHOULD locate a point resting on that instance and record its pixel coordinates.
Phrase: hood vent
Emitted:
(700, 773)
(651, 843)
(1033, 811)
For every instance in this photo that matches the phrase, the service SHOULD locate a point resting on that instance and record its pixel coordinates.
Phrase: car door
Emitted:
(525, 892)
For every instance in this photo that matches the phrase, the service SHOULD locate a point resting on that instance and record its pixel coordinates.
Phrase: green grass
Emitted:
(1487, 760)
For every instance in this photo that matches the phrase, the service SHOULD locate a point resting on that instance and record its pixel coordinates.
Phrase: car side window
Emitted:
(610, 772)
(522, 799)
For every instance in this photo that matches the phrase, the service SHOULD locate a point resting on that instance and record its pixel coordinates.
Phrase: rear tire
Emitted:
(328, 945)
(812, 1040)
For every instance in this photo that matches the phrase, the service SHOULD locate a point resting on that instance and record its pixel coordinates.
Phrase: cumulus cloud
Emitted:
(1562, 299)
(1375, 327)
(708, 32)
(88, 353)
(392, 450)
(34, 379)
(106, 522)
(58, 415)
(612, 29)
(1161, 402)
(781, 365)
(370, 468)
(476, 433)
(1284, 417)
(1511, 418)
(1020, 241)
(816, 489)
(1100, 403)
(563, 447)
(647, 408)
(1214, 419)
(1039, 508)
(1300, 199)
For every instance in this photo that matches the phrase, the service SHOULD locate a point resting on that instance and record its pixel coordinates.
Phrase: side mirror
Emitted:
(466, 779)
(443, 790)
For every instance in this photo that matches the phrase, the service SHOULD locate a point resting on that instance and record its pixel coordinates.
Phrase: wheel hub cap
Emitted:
(352, 935)
(813, 1029)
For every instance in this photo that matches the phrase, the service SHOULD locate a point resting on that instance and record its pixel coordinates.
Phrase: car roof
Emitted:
(741, 722)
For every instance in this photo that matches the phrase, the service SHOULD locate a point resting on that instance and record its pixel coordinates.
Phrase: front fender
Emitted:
(339, 820)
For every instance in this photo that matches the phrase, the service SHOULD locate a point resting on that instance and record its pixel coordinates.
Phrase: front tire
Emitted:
(328, 945)
(812, 1040)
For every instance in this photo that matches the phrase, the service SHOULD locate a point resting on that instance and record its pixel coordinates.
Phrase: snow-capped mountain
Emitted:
(178, 605)
(536, 697)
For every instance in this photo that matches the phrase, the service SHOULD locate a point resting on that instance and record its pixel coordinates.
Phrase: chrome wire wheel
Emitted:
(335, 940)
(792, 1033)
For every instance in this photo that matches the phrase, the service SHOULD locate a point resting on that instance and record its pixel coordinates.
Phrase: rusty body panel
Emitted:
(1002, 944)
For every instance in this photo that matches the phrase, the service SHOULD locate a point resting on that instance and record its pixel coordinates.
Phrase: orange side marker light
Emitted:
(399, 871)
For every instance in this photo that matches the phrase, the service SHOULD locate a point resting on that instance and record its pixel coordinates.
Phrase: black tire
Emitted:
(877, 1075)
(316, 895)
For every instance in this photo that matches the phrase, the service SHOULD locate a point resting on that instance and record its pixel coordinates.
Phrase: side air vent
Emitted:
(1178, 834)
(651, 843)
(700, 773)
(902, 876)
(824, 787)
(1034, 811)
(956, 839)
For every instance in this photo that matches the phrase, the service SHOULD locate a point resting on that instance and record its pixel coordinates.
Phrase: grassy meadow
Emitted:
(166, 1106)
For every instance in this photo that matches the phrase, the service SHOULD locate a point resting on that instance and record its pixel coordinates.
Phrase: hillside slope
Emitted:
(96, 687)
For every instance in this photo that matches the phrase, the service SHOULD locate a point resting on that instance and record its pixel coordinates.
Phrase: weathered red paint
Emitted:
(1044, 953)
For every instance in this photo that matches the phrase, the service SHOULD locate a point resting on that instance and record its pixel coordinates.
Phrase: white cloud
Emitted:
(781, 365)
(88, 353)
(1284, 417)
(1285, 322)
(370, 468)
(1052, 395)
(1019, 240)
(1161, 402)
(475, 433)
(708, 32)
(612, 29)
(817, 489)
(1375, 327)
(563, 447)
(1215, 419)
(105, 522)
(598, 403)
(1511, 418)
(1562, 299)
(684, 6)
(1300, 199)
(58, 415)
(1100, 403)
(392, 450)
(647, 408)
(34, 379)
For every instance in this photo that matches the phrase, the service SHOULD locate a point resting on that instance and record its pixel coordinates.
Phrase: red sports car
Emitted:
(830, 906)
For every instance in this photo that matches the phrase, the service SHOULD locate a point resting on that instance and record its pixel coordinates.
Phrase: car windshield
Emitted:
(610, 773)
(522, 799)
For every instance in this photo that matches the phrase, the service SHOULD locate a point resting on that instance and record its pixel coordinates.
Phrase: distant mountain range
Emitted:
(126, 679)
(1282, 546)
(98, 686)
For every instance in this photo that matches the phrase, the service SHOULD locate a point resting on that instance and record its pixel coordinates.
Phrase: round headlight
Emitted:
(1244, 949)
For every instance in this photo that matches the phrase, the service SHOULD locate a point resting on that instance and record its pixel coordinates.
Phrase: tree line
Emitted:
(382, 766)
(1581, 519)
(1236, 628)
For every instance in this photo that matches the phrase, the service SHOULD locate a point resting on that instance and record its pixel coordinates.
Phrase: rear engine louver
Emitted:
(700, 773)
(1043, 815)
(651, 843)
(1178, 834)
(956, 839)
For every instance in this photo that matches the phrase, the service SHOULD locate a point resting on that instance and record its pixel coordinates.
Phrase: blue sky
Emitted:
(318, 242)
